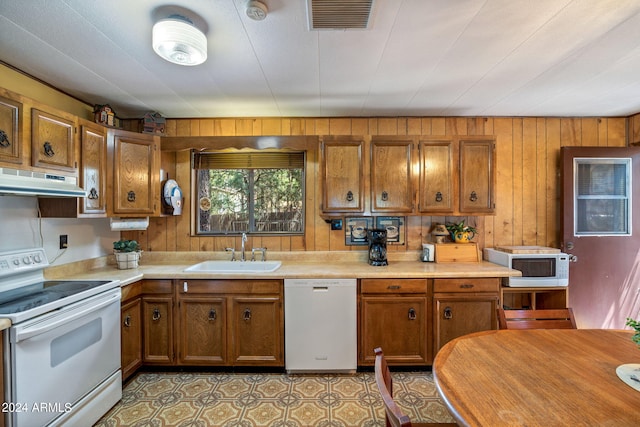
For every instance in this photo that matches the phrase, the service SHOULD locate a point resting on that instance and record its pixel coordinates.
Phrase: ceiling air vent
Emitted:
(338, 14)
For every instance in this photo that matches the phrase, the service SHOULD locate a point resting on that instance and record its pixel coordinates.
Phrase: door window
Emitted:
(602, 205)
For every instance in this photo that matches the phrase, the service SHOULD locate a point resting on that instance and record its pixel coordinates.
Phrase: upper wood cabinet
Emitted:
(10, 132)
(134, 174)
(53, 141)
(93, 169)
(342, 174)
(438, 176)
(93, 178)
(477, 176)
(392, 174)
(457, 175)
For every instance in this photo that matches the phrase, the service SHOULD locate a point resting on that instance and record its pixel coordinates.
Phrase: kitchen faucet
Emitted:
(244, 240)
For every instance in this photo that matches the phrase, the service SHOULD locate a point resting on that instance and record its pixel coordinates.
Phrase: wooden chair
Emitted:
(536, 319)
(393, 414)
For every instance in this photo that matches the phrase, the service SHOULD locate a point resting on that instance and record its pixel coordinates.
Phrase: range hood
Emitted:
(17, 182)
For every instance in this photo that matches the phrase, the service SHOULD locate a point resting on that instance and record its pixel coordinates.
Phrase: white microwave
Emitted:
(539, 269)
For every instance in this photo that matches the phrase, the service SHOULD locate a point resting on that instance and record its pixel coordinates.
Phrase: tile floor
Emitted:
(187, 399)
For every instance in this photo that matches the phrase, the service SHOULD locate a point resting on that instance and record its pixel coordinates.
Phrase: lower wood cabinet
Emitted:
(230, 322)
(157, 321)
(131, 329)
(394, 315)
(463, 306)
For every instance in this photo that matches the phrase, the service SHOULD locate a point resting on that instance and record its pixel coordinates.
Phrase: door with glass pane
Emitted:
(599, 233)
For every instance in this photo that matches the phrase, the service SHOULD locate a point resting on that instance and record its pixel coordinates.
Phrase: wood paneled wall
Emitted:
(527, 197)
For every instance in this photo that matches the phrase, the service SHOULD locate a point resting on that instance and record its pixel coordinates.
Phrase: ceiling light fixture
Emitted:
(177, 40)
(256, 10)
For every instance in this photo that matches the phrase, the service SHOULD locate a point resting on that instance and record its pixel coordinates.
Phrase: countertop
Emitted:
(171, 265)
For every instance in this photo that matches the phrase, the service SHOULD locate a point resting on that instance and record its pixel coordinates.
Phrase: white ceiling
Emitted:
(418, 57)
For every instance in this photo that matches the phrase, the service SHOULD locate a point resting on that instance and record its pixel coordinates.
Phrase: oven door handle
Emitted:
(60, 319)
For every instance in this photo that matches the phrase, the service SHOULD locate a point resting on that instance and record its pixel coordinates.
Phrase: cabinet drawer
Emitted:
(131, 290)
(157, 287)
(467, 285)
(393, 286)
(238, 286)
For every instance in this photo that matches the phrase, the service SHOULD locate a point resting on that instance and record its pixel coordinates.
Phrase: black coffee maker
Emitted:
(377, 246)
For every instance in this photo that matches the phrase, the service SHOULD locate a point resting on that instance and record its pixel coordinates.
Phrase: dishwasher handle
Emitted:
(62, 318)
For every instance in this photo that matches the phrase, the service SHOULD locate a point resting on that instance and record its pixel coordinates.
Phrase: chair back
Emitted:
(536, 319)
(393, 413)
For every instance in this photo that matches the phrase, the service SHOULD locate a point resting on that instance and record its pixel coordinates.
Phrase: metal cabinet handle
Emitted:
(4, 139)
(393, 287)
(385, 196)
(246, 315)
(473, 197)
(448, 313)
(466, 286)
(212, 315)
(438, 196)
(93, 194)
(48, 149)
(412, 314)
(131, 196)
(349, 196)
(156, 314)
(127, 321)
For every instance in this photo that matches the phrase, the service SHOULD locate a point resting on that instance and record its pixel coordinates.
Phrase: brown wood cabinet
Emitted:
(457, 175)
(93, 177)
(131, 328)
(230, 322)
(342, 174)
(202, 330)
(462, 306)
(133, 177)
(392, 174)
(394, 315)
(477, 176)
(11, 142)
(53, 143)
(534, 298)
(157, 322)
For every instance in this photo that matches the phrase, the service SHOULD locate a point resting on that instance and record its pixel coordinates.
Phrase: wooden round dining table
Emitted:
(544, 377)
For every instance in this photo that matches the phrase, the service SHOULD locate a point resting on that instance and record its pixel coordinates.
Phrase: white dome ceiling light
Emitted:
(256, 10)
(177, 40)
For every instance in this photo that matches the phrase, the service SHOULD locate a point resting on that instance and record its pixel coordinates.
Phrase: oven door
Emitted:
(59, 357)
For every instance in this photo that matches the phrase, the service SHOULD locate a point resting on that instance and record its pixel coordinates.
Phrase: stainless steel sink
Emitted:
(234, 267)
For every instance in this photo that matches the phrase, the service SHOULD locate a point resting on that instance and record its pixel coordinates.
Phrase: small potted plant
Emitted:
(461, 233)
(127, 253)
(636, 327)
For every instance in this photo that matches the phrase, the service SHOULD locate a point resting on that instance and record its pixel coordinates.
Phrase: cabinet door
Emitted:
(158, 329)
(131, 337)
(342, 175)
(135, 161)
(398, 324)
(257, 325)
(202, 336)
(391, 175)
(477, 176)
(52, 141)
(93, 158)
(459, 314)
(438, 176)
(10, 135)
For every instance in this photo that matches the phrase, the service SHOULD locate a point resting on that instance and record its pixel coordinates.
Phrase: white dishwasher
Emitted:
(320, 325)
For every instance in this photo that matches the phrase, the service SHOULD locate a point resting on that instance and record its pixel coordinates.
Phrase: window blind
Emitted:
(249, 160)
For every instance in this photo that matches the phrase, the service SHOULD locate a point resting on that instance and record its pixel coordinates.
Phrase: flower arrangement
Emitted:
(458, 231)
(127, 253)
(126, 246)
(636, 326)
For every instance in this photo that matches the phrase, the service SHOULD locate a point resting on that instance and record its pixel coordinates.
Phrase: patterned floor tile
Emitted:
(153, 399)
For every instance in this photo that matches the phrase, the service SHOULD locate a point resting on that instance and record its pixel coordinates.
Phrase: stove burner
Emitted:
(38, 294)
